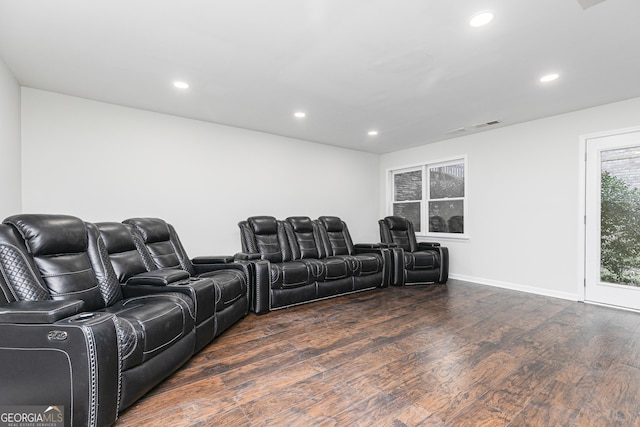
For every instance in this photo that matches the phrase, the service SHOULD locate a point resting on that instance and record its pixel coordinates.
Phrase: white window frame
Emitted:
(424, 203)
(421, 201)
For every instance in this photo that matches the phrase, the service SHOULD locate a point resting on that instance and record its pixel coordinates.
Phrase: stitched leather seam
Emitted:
(74, 292)
(233, 299)
(174, 339)
(66, 274)
(135, 338)
(93, 378)
(24, 258)
(164, 313)
(120, 360)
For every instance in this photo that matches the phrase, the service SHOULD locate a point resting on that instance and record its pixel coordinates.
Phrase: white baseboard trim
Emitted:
(515, 287)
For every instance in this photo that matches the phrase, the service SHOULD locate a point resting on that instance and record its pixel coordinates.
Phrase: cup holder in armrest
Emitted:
(196, 282)
(84, 317)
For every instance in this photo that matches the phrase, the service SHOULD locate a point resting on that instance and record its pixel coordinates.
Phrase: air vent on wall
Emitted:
(482, 125)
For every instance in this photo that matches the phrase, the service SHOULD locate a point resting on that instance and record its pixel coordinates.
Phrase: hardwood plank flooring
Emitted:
(456, 355)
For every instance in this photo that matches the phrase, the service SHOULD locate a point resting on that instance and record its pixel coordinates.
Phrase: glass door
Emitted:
(613, 220)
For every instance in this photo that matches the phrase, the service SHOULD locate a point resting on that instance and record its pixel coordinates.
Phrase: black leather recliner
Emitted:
(415, 262)
(231, 279)
(293, 265)
(367, 259)
(133, 266)
(70, 337)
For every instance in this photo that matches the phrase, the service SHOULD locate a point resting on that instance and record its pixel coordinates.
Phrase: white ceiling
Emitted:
(411, 69)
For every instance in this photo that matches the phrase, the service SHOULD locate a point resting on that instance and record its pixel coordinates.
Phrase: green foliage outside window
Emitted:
(619, 231)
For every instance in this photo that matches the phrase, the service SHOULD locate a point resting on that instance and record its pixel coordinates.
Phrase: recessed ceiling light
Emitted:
(300, 114)
(549, 77)
(481, 18)
(372, 132)
(181, 85)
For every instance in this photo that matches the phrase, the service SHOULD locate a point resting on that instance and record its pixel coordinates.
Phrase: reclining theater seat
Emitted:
(334, 276)
(230, 278)
(367, 259)
(422, 262)
(292, 266)
(134, 266)
(280, 281)
(64, 318)
(52, 354)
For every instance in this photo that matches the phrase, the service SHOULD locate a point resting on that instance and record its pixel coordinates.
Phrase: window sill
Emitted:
(450, 237)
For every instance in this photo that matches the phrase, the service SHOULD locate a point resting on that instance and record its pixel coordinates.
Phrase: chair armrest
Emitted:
(260, 286)
(428, 245)
(383, 250)
(223, 259)
(363, 248)
(389, 245)
(232, 264)
(398, 264)
(369, 245)
(31, 312)
(206, 264)
(73, 362)
(158, 277)
(247, 256)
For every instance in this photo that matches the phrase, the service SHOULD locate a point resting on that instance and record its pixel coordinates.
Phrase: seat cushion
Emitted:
(336, 268)
(230, 287)
(362, 264)
(369, 263)
(290, 274)
(420, 260)
(149, 324)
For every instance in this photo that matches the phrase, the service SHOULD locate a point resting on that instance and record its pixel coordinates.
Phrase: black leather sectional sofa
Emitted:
(92, 316)
(298, 260)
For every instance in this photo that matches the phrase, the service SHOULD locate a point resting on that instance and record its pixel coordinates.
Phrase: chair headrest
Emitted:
(331, 223)
(397, 223)
(47, 234)
(116, 236)
(301, 224)
(263, 224)
(152, 230)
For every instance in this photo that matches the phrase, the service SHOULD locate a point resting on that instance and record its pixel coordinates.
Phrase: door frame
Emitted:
(582, 210)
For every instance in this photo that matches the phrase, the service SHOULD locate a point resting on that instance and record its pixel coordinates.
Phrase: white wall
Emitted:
(10, 187)
(523, 198)
(104, 162)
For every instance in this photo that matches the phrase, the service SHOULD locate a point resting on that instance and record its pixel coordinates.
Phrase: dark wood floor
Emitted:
(455, 355)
